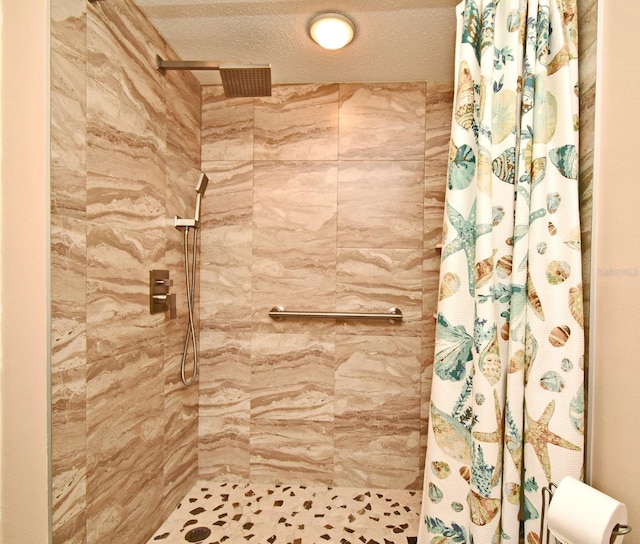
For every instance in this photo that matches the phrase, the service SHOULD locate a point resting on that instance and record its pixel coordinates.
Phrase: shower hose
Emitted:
(190, 336)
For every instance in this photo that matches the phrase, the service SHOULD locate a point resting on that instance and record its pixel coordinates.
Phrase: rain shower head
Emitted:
(238, 80)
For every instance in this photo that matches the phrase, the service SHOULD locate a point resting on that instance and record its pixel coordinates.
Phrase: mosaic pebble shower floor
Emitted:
(214, 513)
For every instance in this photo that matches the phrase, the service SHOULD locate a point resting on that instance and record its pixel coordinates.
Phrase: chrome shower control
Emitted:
(160, 300)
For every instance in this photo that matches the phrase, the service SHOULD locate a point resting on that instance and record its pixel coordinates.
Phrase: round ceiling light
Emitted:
(331, 30)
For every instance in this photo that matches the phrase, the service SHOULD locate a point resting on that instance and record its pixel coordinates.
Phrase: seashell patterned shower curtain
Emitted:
(507, 404)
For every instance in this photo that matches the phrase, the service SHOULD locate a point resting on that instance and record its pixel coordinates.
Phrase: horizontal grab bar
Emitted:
(278, 313)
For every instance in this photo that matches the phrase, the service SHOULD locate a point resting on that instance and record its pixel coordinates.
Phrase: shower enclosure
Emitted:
(276, 402)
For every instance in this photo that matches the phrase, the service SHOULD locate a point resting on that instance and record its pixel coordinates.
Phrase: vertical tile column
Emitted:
(68, 270)
(126, 148)
(125, 156)
(225, 294)
(379, 265)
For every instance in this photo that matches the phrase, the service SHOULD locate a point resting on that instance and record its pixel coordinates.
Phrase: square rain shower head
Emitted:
(244, 80)
(238, 80)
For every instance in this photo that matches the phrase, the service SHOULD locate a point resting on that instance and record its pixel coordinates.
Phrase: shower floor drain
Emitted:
(197, 534)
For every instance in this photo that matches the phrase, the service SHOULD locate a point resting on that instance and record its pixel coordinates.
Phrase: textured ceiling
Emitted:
(396, 40)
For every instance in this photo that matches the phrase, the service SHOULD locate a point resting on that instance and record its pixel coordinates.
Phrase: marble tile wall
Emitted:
(125, 156)
(588, 22)
(321, 197)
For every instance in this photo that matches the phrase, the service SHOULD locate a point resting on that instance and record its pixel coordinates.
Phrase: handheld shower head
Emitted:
(201, 187)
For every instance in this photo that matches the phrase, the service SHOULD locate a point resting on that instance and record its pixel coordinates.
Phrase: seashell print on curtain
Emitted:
(507, 404)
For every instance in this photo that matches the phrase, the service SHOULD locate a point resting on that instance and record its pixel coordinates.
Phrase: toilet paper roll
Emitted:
(580, 514)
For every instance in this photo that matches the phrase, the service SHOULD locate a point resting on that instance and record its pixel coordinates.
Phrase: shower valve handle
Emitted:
(160, 300)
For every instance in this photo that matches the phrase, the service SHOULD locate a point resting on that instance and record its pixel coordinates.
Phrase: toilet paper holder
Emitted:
(547, 495)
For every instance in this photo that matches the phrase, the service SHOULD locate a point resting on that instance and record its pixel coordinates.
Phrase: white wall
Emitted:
(616, 380)
(24, 396)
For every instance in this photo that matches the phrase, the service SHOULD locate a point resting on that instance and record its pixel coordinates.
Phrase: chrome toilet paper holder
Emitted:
(547, 495)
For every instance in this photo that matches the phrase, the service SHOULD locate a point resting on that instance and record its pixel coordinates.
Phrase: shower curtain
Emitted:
(507, 404)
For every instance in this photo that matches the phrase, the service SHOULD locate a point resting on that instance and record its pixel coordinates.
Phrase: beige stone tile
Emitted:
(298, 279)
(72, 532)
(68, 166)
(294, 204)
(68, 107)
(124, 412)
(124, 445)
(68, 293)
(180, 411)
(374, 280)
(227, 126)
(292, 377)
(180, 467)
(298, 122)
(174, 340)
(428, 348)
(126, 169)
(227, 206)
(291, 451)
(377, 378)
(435, 183)
(438, 119)
(184, 112)
(588, 28)
(182, 157)
(225, 374)
(382, 121)
(588, 16)
(434, 194)
(68, 445)
(68, 24)
(225, 277)
(118, 317)
(224, 449)
(174, 330)
(376, 454)
(380, 204)
(180, 406)
(111, 247)
(424, 427)
(123, 64)
(124, 507)
(183, 144)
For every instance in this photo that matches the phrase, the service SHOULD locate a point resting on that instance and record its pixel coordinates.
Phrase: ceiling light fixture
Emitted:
(331, 30)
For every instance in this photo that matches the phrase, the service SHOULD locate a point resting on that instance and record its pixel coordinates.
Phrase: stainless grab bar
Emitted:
(278, 313)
